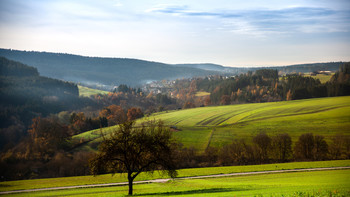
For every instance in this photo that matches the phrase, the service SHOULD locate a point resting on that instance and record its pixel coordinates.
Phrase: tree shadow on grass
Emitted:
(4, 185)
(196, 191)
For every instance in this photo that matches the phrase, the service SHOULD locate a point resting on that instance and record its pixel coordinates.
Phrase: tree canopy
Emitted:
(134, 150)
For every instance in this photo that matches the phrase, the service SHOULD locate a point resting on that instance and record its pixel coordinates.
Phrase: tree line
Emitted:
(48, 152)
(262, 149)
(264, 85)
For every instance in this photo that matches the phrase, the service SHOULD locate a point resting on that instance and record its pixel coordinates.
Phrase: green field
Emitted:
(202, 94)
(211, 184)
(322, 77)
(216, 126)
(320, 183)
(87, 92)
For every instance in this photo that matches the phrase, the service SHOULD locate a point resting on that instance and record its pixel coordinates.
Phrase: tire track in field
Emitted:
(180, 178)
(215, 118)
(286, 115)
(295, 113)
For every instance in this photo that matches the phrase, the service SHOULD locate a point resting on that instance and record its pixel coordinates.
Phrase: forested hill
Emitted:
(108, 72)
(103, 71)
(24, 94)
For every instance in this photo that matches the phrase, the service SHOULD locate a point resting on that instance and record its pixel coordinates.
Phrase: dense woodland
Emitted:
(26, 95)
(263, 85)
(39, 116)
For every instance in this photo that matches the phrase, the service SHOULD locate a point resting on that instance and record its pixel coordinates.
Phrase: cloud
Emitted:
(168, 9)
(118, 4)
(182, 10)
(260, 22)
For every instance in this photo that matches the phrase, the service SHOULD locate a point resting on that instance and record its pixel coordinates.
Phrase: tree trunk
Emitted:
(130, 179)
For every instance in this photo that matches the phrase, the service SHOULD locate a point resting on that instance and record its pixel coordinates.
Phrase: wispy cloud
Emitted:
(179, 10)
(118, 4)
(261, 22)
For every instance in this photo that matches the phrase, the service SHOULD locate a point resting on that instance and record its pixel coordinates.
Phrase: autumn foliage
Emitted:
(134, 113)
(114, 114)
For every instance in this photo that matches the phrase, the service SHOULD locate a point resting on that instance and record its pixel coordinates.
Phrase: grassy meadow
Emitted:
(87, 92)
(322, 77)
(219, 125)
(316, 183)
(199, 94)
(210, 184)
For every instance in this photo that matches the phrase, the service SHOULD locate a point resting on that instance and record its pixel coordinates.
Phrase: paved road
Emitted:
(165, 180)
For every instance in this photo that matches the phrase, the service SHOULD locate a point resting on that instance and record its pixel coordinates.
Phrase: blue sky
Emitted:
(227, 32)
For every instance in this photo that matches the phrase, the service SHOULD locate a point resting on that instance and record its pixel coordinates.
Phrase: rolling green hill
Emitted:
(87, 92)
(216, 126)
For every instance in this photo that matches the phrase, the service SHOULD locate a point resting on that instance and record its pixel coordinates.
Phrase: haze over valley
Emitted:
(175, 98)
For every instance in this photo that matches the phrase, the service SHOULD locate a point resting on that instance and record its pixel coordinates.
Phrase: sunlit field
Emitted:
(320, 183)
(87, 92)
(108, 178)
(217, 126)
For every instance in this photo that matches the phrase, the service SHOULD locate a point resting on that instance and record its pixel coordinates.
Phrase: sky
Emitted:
(226, 32)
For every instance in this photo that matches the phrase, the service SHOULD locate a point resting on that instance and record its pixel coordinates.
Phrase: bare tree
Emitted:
(263, 142)
(282, 146)
(321, 148)
(135, 150)
(304, 147)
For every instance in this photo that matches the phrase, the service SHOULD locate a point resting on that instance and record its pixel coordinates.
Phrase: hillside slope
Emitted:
(101, 71)
(215, 126)
(107, 72)
(24, 95)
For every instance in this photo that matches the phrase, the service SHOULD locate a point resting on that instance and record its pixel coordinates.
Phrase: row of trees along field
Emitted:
(50, 152)
(150, 147)
(268, 149)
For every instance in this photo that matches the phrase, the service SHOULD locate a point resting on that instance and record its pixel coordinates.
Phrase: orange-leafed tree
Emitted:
(134, 113)
(225, 100)
(78, 123)
(114, 114)
(47, 135)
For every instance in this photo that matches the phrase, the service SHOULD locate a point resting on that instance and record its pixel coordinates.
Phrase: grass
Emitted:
(320, 183)
(322, 77)
(87, 92)
(107, 178)
(220, 125)
(199, 94)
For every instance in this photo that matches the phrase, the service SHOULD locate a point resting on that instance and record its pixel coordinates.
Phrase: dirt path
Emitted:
(165, 180)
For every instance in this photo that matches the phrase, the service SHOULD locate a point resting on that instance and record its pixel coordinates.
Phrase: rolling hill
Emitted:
(24, 95)
(102, 72)
(105, 73)
(216, 126)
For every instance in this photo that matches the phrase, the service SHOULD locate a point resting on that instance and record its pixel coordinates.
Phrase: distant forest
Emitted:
(264, 85)
(105, 73)
(102, 72)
